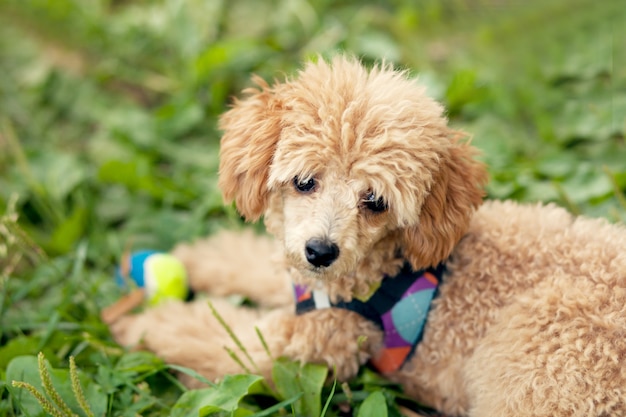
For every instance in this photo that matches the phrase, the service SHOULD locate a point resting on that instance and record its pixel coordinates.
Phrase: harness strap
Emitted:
(399, 307)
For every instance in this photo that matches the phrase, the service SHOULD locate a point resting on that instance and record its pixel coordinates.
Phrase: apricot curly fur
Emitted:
(531, 315)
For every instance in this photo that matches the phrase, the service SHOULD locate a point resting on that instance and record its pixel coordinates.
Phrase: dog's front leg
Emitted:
(341, 339)
(189, 335)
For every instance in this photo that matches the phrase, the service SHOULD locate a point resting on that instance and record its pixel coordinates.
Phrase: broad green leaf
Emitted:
(176, 119)
(463, 89)
(137, 175)
(558, 164)
(18, 346)
(374, 405)
(377, 45)
(590, 119)
(59, 173)
(224, 397)
(132, 123)
(369, 377)
(227, 395)
(487, 133)
(587, 184)
(541, 191)
(138, 362)
(24, 368)
(291, 379)
(190, 403)
(69, 231)
(224, 55)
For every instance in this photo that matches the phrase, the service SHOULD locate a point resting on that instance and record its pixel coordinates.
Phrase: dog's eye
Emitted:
(374, 204)
(304, 186)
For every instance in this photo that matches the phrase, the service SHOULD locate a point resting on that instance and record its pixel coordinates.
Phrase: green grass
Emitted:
(108, 139)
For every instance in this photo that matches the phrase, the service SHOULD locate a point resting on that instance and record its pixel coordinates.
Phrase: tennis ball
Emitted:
(161, 275)
(164, 278)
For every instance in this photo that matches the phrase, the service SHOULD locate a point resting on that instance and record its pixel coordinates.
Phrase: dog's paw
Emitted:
(128, 331)
(340, 339)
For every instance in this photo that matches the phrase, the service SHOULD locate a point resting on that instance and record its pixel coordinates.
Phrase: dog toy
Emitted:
(155, 277)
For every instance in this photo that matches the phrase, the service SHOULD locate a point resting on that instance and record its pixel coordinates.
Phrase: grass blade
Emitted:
(235, 339)
(191, 373)
(329, 399)
(263, 342)
(277, 407)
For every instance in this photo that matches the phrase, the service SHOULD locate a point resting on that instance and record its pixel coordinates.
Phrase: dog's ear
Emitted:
(251, 131)
(445, 215)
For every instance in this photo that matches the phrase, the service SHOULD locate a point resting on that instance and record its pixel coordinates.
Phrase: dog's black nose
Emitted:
(321, 252)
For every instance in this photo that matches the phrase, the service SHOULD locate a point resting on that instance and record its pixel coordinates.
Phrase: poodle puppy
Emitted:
(364, 186)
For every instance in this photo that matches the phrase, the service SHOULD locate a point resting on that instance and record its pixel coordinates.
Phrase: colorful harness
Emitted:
(398, 305)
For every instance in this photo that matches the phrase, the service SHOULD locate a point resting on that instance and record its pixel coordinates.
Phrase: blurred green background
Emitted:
(108, 115)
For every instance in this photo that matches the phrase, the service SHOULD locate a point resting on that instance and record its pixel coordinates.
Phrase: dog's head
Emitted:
(346, 163)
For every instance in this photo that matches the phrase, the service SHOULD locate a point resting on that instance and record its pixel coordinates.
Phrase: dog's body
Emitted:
(358, 173)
